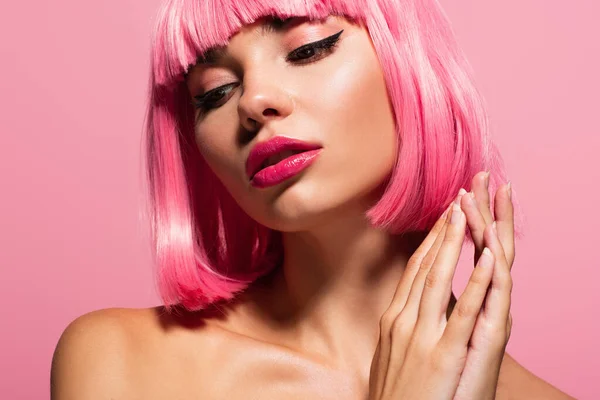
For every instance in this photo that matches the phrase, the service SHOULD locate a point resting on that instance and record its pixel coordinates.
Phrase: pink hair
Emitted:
(206, 247)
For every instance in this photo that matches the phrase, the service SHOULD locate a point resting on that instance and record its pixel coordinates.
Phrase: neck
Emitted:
(335, 283)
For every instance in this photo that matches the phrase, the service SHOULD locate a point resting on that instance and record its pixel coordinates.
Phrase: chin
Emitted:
(308, 203)
(295, 205)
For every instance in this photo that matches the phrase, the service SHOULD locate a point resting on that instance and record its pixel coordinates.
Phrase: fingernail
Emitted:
(461, 193)
(509, 190)
(487, 179)
(486, 258)
(495, 229)
(456, 214)
(471, 197)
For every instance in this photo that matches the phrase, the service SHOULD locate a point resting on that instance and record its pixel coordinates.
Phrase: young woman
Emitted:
(307, 163)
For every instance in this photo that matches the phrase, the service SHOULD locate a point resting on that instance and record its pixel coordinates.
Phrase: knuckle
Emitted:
(413, 263)
(478, 278)
(426, 264)
(431, 280)
(466, 309)
(428, 260)
(450, 237)
(386, 321)
(496, 334)
(510, 256)
(504, 282)
(401, 328)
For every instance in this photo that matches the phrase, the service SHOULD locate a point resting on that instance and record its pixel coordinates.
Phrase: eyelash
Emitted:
(320, 48)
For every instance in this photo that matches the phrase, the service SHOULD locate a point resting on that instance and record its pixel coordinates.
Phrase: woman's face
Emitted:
(273, 83)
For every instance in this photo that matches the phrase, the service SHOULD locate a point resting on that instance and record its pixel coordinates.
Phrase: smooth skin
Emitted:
(146, 354)
(311, 329)
(424, 355)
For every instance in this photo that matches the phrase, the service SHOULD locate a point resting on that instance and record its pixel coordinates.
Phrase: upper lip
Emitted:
(263, 150)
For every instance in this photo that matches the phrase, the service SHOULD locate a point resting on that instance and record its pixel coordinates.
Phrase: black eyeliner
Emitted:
(325, 43)
(319, 44)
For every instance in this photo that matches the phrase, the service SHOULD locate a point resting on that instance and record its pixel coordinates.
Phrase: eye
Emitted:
(214, 98)
(306, 54)
(302, 55)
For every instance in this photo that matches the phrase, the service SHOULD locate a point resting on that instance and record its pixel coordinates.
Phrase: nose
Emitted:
(263, 99)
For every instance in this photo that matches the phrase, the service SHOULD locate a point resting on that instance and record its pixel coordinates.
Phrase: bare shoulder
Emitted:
(517, 383)
(119, 352)
(91, 356)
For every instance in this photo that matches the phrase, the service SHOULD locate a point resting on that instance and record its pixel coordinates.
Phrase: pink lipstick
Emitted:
(278, 159)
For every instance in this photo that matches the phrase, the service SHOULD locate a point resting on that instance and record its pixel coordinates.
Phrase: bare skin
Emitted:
(225, 351)
(148, 354)
(310, 329)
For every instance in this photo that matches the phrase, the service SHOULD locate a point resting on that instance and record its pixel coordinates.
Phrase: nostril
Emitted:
(270, 111)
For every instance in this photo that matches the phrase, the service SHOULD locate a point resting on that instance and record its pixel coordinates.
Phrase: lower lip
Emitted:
(284, 169)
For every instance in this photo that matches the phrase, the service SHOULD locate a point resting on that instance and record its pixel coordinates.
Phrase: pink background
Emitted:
(72, 86)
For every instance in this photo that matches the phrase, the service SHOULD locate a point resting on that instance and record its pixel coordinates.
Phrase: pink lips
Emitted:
(278, 159)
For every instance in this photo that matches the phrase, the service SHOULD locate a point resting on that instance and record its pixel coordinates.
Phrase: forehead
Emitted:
(193, 30)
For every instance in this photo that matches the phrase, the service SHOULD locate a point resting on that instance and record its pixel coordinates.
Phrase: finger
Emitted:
(505, 222)
(413, 265)
(462, 320)
(497, 304)
(475, 221)
(393, 349)
(480, 187)
(411, 305)
(409, 313)
(416, 290)
(422, 255)
(437, 286)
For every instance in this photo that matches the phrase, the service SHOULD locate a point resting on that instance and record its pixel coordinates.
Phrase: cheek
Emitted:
(216, 141)
(361, 125)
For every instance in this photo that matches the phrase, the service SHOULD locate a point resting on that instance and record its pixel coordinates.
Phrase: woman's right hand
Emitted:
(421, 354)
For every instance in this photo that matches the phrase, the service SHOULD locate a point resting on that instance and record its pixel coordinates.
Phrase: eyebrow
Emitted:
(272, 24)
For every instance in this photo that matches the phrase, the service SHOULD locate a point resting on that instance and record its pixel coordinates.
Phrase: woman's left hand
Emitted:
(493, 326)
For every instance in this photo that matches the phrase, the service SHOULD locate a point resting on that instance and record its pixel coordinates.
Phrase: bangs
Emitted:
(187, 28)
(206, 247)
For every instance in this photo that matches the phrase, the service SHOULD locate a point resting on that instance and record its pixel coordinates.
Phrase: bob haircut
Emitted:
(206, 248)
